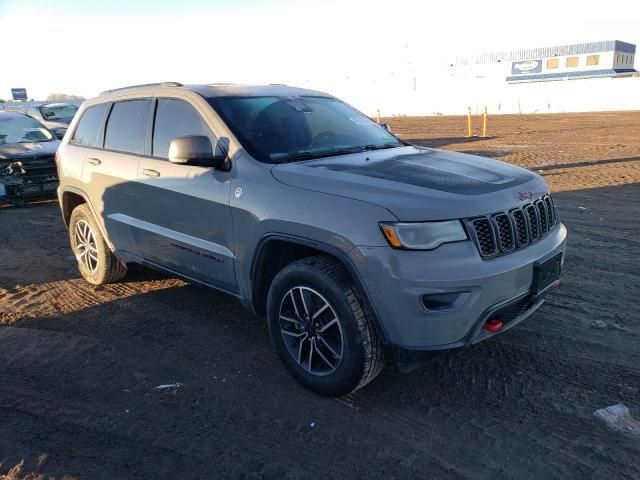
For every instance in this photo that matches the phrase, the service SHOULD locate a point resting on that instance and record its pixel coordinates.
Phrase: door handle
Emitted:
(150, 173)
(94, 161)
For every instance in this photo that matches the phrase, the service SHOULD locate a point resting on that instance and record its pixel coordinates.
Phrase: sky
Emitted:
(344, 47)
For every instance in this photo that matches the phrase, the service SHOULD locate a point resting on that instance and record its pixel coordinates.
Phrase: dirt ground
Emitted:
(79, 364)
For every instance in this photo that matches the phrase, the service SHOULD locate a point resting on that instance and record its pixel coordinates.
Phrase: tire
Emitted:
(353, 354)
(98, 265)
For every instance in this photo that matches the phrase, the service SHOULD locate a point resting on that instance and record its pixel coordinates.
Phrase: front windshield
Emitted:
(22, 129)
(277, 129)
(63, 112)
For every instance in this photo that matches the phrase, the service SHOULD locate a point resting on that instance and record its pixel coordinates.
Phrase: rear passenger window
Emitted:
(126, 126)
(176, 118)
(89, 126)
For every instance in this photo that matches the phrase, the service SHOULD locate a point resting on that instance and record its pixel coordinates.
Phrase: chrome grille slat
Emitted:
(484, 236)
(521, 227)
(542, 216)
(534, 224)
(551, 218)
(504, 232)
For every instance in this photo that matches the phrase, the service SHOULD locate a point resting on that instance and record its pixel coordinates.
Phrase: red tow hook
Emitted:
(493, 325)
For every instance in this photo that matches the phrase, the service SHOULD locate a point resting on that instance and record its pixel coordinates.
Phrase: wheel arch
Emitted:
(275, 251)
(70, 198)
(69, 201)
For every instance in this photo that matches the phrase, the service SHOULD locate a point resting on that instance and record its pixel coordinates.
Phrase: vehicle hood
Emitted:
(416, 183)
(19, 151)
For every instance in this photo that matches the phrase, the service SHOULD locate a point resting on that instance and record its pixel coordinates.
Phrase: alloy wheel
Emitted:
(311, 331)
(86, 246)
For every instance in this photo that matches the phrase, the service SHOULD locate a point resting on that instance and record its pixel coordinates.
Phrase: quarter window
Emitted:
(126, 126)
(176, 118)
(89, 126)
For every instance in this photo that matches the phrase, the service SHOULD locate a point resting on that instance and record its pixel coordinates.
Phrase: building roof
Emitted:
(546, 52)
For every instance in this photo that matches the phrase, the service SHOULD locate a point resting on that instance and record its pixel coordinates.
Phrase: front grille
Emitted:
(505, 232)
(550, 212)
(542, 216)
(522, 229)
(532, 220)
(484, 235)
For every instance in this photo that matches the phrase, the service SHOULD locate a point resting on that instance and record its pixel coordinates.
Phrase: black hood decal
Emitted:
(433, 170)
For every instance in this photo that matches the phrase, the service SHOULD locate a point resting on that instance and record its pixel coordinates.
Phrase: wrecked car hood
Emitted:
(416, 183)
(19, 151)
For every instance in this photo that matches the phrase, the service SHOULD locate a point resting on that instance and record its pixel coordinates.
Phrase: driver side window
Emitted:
(176, 118)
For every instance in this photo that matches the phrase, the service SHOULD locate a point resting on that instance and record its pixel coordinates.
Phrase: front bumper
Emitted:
(16, 188)
(397, 280)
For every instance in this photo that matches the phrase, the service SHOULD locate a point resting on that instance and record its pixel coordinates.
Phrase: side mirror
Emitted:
(197, 150)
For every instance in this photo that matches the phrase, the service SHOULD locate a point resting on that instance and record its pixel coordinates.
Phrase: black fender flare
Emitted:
(77, 191)
(342, 256)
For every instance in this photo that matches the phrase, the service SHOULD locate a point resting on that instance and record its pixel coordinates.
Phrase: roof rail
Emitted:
(159, 84)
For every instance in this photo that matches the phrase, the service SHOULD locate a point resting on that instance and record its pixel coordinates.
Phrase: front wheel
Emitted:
(319, 327)
(96, 262)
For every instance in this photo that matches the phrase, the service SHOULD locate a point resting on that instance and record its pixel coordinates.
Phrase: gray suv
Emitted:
(357, 247)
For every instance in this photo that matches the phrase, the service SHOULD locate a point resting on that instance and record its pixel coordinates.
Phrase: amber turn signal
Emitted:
(390, 235)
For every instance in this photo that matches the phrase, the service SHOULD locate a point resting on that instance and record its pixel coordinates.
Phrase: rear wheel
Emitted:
(319, 327)
(96, 262)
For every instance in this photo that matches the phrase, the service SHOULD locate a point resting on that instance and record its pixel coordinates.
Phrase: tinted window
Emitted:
(62, 112)
(87, 132)
(126, 126)
(22, 129)
(288, 128)
(175, 118)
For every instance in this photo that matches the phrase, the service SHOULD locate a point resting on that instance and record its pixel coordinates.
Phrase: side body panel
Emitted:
(261, 206)
(182, 221)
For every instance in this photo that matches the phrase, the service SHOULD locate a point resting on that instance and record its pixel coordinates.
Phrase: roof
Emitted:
(229, 90)
(546, 52)
(223, 89)
(57, 104)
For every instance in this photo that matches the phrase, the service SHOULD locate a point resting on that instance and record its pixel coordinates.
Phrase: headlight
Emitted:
(422, 236)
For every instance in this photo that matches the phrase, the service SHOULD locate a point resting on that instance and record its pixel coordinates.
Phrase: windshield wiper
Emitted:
(381, 147)
(297, 157)
(306, 155)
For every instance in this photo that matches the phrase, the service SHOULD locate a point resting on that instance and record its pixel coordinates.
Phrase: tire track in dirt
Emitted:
(517, 406)
(15, 397)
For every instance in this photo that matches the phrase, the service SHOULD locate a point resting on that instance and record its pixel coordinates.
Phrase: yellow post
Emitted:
(469, 130)
(484, 122)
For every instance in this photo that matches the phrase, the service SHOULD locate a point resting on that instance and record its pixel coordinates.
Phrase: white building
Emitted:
(583, 77)
(562, 62)
(596, 76)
